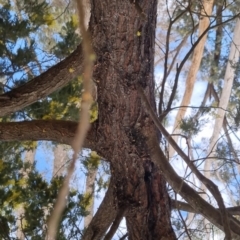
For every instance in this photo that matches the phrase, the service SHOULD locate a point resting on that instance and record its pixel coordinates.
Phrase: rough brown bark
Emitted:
(124, 43)
(50, 130)
(102, 220)
(53, 79)
(124, 60)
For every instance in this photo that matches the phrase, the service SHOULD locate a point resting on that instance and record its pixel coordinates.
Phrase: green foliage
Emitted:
(93, 161)
(190, 126)
(188, 18)
(35, 36)
(101, 184)
(37, 196)
(63, 104)
(20, 62)
(27, 48)
(69, 39)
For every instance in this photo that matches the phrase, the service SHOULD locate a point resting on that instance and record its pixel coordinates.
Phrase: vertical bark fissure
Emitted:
(223, 104)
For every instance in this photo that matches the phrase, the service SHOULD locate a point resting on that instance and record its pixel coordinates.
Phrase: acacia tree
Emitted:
(127, 132)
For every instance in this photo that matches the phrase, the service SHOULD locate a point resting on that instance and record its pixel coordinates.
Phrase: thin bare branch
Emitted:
(83, 125)
(124, 236)
(179, 68)
(165, 74)
(188, 208)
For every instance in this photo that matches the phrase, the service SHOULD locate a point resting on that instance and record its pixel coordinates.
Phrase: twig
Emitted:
(179, 68)
(82, 129)
(183, 221)
(165, 74)
(124, 236)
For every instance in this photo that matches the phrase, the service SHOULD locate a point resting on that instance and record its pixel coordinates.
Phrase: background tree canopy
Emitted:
(164, 139)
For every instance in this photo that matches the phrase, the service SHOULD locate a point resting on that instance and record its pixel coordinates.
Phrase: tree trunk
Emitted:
(233, 59)
(223, 104)
(29, 158)
(123, 39)
(60, 160)
(192, 73)
(90, 179)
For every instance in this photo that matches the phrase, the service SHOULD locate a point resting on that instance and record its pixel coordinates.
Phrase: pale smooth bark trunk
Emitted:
(223, 103)
(91, 175)
(59, 166)
(226, 91)
(87, 12)
(191, 78)
(29, 158)
(60, 160)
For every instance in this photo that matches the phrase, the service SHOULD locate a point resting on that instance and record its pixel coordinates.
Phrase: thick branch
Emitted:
(115, 224)
(53, 79)
(50, 130)
(188, 208)
(103, 218)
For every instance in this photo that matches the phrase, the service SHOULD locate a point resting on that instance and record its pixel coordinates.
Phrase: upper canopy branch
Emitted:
(41, 86)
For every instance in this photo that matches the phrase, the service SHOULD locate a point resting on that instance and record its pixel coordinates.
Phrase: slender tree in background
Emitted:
(206, 10)
(42, 82)
(29, 158)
